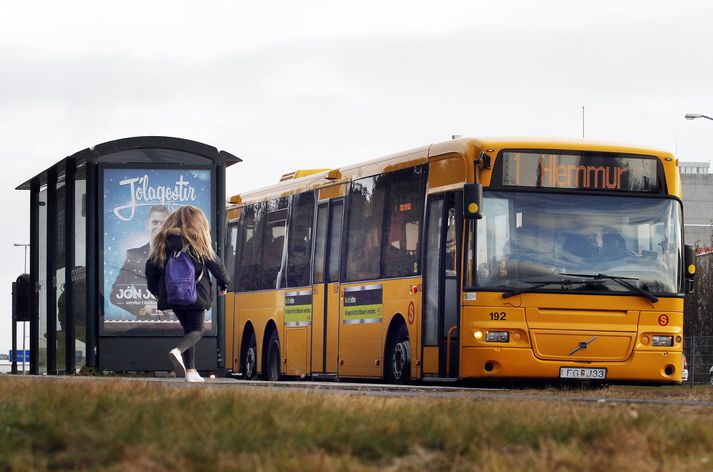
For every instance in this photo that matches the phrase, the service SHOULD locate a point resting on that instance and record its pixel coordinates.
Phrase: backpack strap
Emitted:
(186, 250)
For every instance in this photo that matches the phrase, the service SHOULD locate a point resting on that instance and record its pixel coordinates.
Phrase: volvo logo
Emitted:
(582, 346)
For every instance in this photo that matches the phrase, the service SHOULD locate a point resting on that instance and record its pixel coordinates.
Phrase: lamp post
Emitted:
(25, 246)
(23, 323)
(693, 116)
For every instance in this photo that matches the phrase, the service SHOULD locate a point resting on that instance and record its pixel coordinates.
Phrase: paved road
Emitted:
(416, 391)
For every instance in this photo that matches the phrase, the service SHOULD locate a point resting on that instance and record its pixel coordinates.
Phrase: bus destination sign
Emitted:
(578, 171)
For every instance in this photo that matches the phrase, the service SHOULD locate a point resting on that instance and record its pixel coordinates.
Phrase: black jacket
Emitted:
(205, 291)
(131, 273)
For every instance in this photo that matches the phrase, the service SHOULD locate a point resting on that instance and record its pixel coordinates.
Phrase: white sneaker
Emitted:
(177, 361)
(192, 375)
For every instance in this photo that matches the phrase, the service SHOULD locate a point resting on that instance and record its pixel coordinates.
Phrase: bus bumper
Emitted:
(650, 366)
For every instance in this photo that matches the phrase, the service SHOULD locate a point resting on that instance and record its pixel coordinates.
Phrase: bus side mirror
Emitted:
(473, 201)
(689, 257)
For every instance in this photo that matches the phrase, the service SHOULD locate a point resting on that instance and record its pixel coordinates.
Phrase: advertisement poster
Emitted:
(136, 203)
(298, 308)
(363, 304)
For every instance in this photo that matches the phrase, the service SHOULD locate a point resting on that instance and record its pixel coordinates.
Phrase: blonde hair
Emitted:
(191, 224)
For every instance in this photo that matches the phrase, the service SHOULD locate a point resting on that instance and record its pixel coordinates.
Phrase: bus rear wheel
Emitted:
(398, 358)
(249, 361)
(272, 369)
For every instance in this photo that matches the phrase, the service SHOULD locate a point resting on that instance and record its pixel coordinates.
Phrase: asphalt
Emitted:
(385, 390)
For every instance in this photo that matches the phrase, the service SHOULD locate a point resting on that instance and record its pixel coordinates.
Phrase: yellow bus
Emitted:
(467, 259)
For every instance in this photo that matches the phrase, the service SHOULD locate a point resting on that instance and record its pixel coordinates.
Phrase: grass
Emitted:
(121, 425)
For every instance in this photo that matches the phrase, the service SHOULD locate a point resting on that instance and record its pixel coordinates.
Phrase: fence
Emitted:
(697, 323)
(699, 352)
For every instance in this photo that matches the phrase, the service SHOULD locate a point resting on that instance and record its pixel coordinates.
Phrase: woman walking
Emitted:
(184, 241)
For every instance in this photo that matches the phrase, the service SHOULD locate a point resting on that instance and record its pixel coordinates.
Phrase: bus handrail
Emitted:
(448, 350)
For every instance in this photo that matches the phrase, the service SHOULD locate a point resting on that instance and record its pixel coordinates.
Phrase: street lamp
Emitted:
(693, 116)
(25, 246)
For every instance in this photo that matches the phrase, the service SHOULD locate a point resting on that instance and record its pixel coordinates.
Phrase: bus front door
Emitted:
(326, 299)
(441, 286)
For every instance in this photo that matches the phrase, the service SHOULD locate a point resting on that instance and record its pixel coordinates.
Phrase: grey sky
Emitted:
(288, 85)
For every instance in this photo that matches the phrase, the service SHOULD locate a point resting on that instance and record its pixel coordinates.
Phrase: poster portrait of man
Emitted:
(124, 293)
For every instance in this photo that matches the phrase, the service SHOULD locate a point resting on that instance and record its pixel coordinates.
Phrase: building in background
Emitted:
(697, 184)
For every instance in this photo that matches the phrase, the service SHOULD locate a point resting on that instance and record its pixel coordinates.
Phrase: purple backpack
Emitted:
(181, 280)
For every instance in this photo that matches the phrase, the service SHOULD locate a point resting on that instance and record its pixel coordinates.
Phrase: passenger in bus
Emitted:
(614, 244)
(501, 274)
(366, 255)
(484, 274)
(495, 277)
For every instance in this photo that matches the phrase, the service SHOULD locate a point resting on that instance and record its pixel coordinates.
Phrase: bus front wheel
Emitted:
(398, 358)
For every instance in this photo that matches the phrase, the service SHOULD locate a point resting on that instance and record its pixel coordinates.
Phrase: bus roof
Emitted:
(468, 148)
(565, 144)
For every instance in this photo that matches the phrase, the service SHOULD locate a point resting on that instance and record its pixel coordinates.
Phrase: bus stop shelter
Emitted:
(92, 215)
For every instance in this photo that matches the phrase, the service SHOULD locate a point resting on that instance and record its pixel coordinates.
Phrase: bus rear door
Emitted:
(326, 297)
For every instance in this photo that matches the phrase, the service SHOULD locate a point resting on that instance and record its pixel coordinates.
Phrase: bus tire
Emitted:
(248, 364)
(398, 358)
(272, 367)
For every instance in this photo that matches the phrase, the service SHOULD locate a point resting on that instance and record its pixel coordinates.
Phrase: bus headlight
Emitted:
(497, 336)
(662, 341)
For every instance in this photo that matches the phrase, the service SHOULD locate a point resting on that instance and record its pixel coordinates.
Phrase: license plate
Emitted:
(582, 373)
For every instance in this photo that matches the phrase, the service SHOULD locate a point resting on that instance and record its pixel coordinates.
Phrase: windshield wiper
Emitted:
(623, 281)
(544, 283)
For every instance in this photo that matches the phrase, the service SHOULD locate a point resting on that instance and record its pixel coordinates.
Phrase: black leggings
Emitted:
(192, 323)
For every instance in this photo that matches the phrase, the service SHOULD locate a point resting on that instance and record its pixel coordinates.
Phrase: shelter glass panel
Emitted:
(59, 279)
(79, 272)
(42, 283)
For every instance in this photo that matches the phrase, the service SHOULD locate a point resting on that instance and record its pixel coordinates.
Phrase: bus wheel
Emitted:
(272, 369)
(249, 361)
(398, 358)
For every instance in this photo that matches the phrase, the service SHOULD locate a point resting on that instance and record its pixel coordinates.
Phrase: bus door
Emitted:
(441, 290)
(326, 299)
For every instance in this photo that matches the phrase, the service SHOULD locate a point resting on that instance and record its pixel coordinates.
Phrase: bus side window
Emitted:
(231, 252)
(273, 244)
(300, 240)
(251, 246)
(366, 214)
(403, 224)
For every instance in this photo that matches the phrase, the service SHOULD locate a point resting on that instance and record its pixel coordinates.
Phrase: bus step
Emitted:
(440, 379)
(323, 376)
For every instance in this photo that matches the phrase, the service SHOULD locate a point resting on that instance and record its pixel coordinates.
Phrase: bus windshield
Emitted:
(528, 237)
